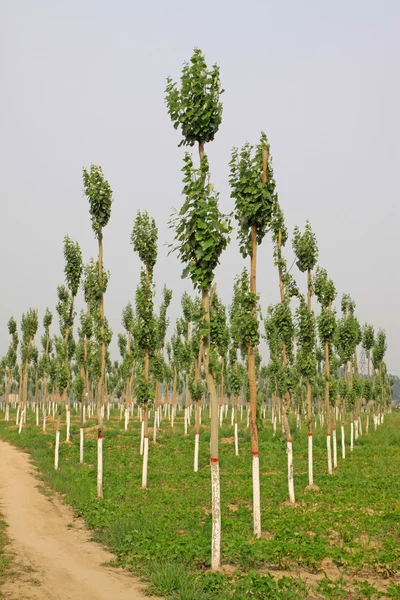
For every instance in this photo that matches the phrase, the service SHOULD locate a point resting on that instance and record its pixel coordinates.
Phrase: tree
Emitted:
(29, 326)
(99, 194)
(279, 328)
(306, 251)
(144, 240)
(73, 272)
(47, 348)
(253, 189)
(11, 361)
(326, 294)
(368, 341)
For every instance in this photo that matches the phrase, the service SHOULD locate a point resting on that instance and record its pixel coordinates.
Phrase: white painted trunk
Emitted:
(158, 416)
(57, 449)
(126, 419)
(351, 436)
(221, 415)
(343, 441)
(172, 417)
(360, 428)
(37, 414)
(196, 452)
(290, 470)
(100, 466)
(68, 424)
(356, 429)
(241, 412)
(155, 426)
(142, 439)
(216, 516)
(256, 496)
(145, 461)
(186, 416)
(44, 420)
(236, 440)
(248, 418)
(21, 420)
(382, 418)
(334, 448)
(17, 419)
(81, 444)
(232, 416)
(367, 425)
(329, 450)
(310, 459)
(275, 420)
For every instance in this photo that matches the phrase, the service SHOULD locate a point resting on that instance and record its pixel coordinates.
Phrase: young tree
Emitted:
(306, 251)
(144, 240)
(29, 326)
(326, 293)
(11, 361)
(73, 273)
(201, 232)
(99, 194)
(47, 349)
(279, 329)
(378, 354)
(253, 189)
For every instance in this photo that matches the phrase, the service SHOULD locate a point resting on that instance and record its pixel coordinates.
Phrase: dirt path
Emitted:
(54, 560)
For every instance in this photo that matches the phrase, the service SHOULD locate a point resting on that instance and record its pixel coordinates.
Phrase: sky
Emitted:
(83, 82)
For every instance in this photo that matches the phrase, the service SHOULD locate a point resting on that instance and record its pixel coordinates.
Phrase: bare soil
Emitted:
(53, 555)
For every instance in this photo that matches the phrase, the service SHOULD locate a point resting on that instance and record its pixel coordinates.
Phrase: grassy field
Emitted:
(339, 542)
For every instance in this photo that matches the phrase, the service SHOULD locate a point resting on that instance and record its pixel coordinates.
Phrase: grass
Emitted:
(6, 559)
(349, 529)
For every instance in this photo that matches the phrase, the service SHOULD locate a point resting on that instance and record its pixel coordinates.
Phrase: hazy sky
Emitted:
(83, 82)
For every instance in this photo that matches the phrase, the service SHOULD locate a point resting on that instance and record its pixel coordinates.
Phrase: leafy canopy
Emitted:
(144, 238)
(305, 248)
(99, 194)
(195, 106)
(254, 199)
(201, 231)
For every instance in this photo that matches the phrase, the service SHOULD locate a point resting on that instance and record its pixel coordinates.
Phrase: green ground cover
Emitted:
(339, 542)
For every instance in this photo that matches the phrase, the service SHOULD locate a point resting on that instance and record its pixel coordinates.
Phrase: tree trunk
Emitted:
(253, 398)
(215, 481)
(145, 425)
(100, 387)
(328, 406)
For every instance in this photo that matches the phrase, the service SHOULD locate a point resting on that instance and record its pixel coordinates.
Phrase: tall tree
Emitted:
(326, 294)
(253, 189)
(73, 272)
(201, 232)
(99, 194)
(306, 251)
(144, 240)
(11, 361)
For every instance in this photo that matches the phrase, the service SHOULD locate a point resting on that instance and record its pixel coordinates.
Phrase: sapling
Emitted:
(144, 240)
(326, 293)
(99, 194)
(253, 189)
(11, 361)
(306, 251)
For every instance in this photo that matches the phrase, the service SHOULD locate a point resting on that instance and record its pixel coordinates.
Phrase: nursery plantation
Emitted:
(204, 466)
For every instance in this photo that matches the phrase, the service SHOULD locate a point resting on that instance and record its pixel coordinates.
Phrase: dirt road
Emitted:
(54, 560)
